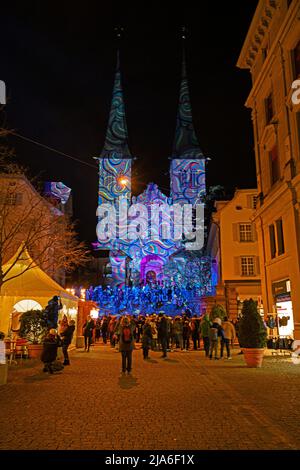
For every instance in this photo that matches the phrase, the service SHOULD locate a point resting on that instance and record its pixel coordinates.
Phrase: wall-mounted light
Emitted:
(123, 180)
(94, 313)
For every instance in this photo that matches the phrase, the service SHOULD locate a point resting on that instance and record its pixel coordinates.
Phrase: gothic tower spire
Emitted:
(187, 169)
(115, 159)
(116, 139)
(186, 144)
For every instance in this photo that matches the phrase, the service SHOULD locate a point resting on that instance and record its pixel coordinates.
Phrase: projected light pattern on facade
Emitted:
(150, 259)
(112, 172)
(187, 181)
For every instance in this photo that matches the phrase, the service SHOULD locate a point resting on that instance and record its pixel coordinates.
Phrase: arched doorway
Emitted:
(150, 277)
(18, 309)
(151, 268)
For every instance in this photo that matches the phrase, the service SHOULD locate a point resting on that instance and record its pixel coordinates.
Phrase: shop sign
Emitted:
(281, 287)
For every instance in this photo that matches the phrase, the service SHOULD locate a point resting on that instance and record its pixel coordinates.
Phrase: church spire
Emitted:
(116, 140)
(186, 145)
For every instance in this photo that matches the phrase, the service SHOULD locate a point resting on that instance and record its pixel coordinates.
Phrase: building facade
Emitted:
(30, 219)
(232, 245)
(271, 52)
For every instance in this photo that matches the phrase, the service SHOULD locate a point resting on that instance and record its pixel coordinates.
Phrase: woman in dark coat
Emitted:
(146, 339)
(67, 336)
(49, 353)
(88, 332)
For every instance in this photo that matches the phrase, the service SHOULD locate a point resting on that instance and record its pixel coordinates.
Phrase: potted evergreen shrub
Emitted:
(252, 334)
(33, 328)
(217, 311)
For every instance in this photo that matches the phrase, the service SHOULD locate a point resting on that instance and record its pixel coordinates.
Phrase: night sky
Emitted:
(58, 61)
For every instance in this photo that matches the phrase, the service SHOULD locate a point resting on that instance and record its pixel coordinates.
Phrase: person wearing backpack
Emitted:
(215, 332)
(126, 340)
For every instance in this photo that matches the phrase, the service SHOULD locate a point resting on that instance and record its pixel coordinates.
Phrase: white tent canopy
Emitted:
(30, 287)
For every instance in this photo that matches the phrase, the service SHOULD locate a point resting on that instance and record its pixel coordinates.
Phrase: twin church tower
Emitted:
(143, 260)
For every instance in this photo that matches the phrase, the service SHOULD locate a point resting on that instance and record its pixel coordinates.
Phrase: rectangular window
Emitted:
(245, 232)
(269, 108)
(272, 241)
(253, 202)
(274, 165)
(247, 265)
(296, 60)
(280, 240)
(11, 199)
(264, 52)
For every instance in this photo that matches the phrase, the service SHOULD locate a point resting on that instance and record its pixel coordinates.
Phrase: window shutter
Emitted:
(272, 241)
(19, 198)
(257, 266)
(235, 232)
(254, 233)
(249, 201)
(237, 266)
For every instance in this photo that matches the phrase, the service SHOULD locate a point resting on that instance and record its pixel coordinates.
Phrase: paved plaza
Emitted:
(183, 402)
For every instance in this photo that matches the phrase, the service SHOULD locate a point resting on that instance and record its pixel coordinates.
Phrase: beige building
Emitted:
(27, 217)
(271, 52)
(232, 244)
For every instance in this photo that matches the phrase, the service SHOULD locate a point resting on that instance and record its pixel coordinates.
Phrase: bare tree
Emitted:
(29, 222)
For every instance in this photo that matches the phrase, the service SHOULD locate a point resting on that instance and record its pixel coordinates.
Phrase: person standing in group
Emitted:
(146, 339)
(229, 337)
(126, 342)
(97, 330)
(216, 332)
(186, 331)
(104, 329)
(66, 337)
(52, 311)
(205, 333)
(177, 333)
(162, 333)
(88, 332)
(49, 353)
(194, 331)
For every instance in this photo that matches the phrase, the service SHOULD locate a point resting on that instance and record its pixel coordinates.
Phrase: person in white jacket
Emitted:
(229, 337)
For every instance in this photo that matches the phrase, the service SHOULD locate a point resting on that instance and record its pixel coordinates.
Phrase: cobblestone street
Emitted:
(183, 402)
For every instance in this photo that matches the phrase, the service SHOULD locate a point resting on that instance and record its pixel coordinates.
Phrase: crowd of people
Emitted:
(161, 332)
(147, 298)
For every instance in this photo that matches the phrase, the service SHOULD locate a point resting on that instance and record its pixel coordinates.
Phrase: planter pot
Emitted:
(3, 374)
(253, 356)
(80, 342)
(35, 351)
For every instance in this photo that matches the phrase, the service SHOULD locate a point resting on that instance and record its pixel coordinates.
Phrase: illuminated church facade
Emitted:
(144, 260)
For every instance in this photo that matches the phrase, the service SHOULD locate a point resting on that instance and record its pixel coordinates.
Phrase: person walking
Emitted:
(228, 338)
(205, 333)
(126, 340)
(88, 332)
(66, 337)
